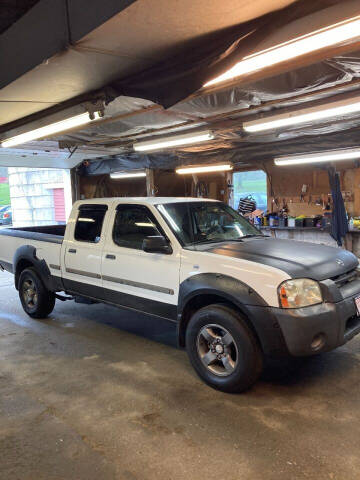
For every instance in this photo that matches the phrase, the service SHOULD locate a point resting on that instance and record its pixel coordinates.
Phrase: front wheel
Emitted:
(222, 349)
(36, 300)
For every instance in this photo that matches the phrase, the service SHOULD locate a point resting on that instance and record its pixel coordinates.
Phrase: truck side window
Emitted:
(133, 223)
(89, 223)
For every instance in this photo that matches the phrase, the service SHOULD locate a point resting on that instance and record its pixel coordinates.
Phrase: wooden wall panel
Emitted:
(287, 184)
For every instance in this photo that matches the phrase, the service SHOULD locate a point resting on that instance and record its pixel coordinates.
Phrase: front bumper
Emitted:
(334, 324)
(295, 331)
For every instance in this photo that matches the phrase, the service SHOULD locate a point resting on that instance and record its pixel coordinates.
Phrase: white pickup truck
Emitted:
(234, 294)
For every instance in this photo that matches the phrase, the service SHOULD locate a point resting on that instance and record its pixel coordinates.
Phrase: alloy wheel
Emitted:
(217, 349)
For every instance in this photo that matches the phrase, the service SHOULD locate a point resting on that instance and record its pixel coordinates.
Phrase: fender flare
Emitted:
(28, 253)
(227, 288)
(214, 283)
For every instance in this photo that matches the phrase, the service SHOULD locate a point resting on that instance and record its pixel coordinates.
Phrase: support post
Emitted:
(150, 186)
(229, 190)
(75, 185)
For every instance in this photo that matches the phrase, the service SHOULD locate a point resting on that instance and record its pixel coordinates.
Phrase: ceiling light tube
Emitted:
(323, 38)
(206, 169)
(306, 115)
(121, 175)
(326, 156)
(173, 141)
(51, 129)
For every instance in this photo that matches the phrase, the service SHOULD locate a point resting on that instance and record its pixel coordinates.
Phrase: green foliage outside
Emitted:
(4, 194)
(254, 181)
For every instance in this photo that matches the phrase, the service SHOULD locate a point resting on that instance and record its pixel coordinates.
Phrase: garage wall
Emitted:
(287, 183)
(102, 186)
(167, 184)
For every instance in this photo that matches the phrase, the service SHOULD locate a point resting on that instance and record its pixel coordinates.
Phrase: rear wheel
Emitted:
(222, 349)
(36, 300)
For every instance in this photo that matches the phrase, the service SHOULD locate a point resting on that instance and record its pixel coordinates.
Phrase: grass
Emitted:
(4, 194)
(251, 186)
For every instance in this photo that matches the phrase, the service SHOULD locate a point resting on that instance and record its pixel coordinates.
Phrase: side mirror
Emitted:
(156, 244)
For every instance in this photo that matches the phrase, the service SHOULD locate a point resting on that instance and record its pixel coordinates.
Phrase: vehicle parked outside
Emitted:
(6, 215)
(233, 294)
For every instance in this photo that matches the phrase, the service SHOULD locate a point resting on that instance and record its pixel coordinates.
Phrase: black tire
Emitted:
(244, 352)
(43, 301)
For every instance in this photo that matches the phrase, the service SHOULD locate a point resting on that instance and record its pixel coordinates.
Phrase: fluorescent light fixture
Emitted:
(306, 115)
(207, 169)
(49, 130)
(173, 141)
(327, 156)
(323, 38)
(120, 175)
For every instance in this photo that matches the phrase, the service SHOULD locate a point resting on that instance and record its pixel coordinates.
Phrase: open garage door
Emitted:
(35, 196)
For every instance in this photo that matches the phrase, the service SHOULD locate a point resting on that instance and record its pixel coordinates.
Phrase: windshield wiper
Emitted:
(209, 241)
(252, 235)
(240, 239)
(219, 240)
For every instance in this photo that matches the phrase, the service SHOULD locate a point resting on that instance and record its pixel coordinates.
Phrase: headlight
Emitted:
(300, 292)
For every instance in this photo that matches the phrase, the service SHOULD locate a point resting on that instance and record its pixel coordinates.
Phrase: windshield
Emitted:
(205, 222)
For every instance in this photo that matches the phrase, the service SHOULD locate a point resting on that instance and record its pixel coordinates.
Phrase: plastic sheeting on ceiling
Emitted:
(288, 88)
(171, 81)
(223, 110)
(232, 106)
(245, 155)
(78, 46)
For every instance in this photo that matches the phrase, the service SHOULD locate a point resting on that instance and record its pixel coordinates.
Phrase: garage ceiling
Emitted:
(127, 43)
(124, 55)
(12, 10)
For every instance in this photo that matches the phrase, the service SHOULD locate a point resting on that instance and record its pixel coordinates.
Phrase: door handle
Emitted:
(110, 257)
(72, 250)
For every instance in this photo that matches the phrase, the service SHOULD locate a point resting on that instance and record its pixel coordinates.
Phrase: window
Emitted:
(177, 216)
(89, 223)
(133, 223)
(250, 184)
(206, 222)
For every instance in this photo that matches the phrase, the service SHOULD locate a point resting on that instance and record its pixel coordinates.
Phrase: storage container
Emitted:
(291, 222)
(283, 221)
(309, 222)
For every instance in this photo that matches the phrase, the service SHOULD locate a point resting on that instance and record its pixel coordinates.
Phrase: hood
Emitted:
(297, 259)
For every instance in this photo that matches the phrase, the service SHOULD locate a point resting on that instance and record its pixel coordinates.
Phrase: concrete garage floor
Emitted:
(82, 399)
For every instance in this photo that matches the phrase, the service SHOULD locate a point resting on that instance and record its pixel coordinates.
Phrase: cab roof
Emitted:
(145, 200)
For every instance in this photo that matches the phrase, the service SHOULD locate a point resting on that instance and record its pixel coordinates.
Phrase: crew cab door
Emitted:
(82, 250)
(144, 281)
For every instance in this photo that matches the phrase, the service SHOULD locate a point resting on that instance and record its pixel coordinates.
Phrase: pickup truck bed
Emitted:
(46, 241)
(42, 233)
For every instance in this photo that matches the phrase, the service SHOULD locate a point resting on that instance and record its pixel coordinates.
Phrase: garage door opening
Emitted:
(250, 184)
(39, 196)
(5, 207)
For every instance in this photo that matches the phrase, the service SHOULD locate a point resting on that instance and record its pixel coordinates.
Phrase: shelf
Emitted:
(307, 229)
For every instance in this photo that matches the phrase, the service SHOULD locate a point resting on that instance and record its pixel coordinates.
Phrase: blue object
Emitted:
(339, 224)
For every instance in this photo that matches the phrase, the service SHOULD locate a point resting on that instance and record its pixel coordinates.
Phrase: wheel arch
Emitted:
(206, 289)
(25, 257)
